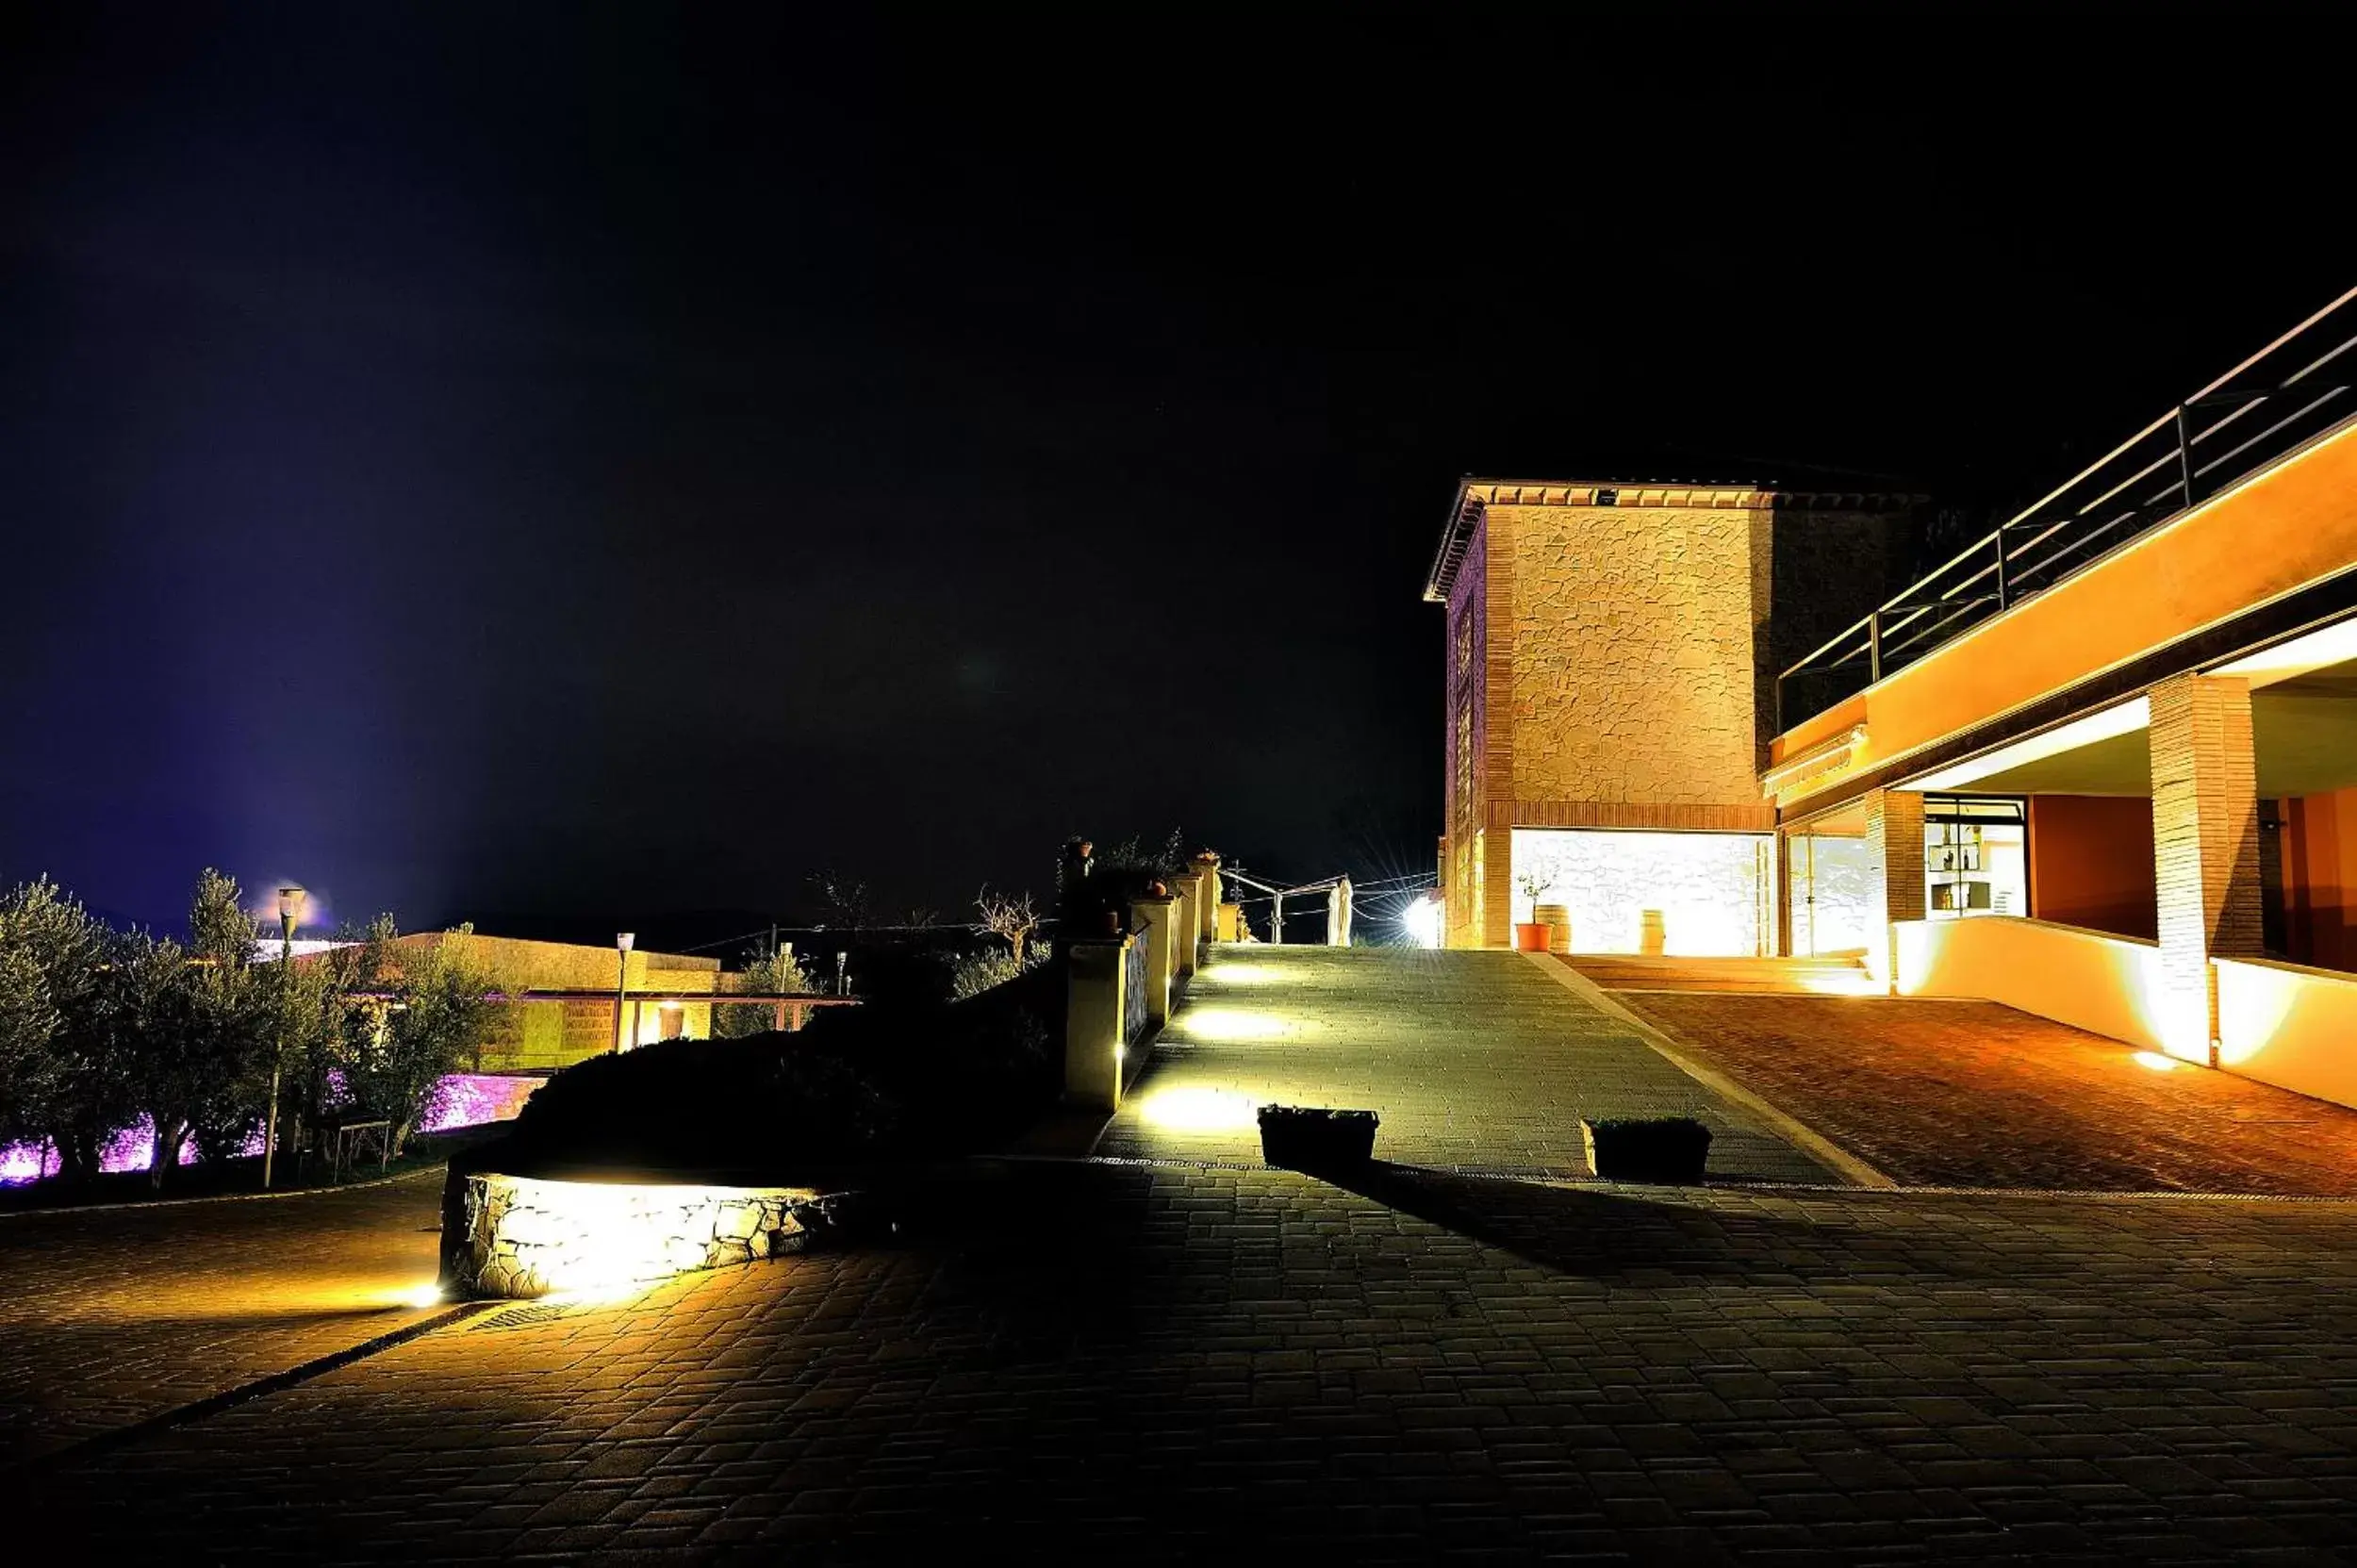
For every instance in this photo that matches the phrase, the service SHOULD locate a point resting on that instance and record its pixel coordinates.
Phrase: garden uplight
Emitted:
(1232, 1023)
(1198, 1111)
(1243, 974)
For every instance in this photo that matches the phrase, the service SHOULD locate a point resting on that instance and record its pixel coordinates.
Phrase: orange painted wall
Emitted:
(2197, 569)
(2091, 863)
(2321, 880)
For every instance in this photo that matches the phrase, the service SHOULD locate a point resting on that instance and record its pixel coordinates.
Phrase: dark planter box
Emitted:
(1647, 1148)
(1303, 1137)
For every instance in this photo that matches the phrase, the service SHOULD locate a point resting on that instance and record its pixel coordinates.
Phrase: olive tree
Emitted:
(28, 1026)
(411, 1014)
(778, 971)
(201, 1028)
(71, 1086)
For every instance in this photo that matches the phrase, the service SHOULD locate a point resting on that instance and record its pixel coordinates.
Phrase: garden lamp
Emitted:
(289, 912)
(622, 943)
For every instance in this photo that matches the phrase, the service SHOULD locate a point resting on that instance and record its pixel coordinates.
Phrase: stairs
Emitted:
(1840, 977)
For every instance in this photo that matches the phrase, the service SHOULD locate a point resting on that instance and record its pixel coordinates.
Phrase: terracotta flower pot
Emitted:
(1530, 937)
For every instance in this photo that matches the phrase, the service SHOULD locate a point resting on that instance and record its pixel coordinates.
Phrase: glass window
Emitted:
(1975, 856)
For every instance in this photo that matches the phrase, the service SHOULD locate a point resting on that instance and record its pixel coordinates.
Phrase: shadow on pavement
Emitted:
(1596, 1233)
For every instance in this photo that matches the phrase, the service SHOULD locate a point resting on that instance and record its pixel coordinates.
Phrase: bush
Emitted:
(976, 973)
(760, 1101)
(780, 970)
(872, 1082)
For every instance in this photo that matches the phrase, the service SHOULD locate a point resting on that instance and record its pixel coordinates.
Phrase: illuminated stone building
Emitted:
(561, 996)
(1612, 656)
(2100, 766)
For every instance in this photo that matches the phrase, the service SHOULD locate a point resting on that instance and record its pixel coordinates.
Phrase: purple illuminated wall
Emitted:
(462, 1100)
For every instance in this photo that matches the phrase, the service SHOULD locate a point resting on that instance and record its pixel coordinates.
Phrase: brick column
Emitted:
(2205, 847)
(1894, 843)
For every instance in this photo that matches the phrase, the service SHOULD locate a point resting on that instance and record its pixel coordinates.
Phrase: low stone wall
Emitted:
(2090, 980)
(518, 1237)
(2288, 1025)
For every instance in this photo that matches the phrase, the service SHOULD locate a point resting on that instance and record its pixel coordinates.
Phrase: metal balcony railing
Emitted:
(2296, 388)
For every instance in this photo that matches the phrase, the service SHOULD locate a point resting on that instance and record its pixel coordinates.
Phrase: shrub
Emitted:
(760, 1101)
(781, 970)
(976, 973)
(876, 1082)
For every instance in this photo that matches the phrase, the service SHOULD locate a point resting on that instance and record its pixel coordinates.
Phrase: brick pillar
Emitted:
(2205, 847)
(1894, 843)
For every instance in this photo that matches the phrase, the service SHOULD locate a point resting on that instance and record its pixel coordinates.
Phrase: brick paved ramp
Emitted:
(1475, 1060)
(1171, 1364)
(112, 1315)
(1973, 1093)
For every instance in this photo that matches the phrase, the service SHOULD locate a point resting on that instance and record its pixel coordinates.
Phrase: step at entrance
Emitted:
(1818, 975)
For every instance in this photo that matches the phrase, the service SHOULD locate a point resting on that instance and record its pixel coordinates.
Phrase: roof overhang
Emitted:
(1474, 492)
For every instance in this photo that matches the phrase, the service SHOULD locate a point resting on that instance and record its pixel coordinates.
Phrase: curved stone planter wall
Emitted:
(518, 1237)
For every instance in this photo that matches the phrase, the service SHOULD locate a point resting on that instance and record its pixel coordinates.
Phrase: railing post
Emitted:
(1873, 647)
(2005, 573)
(2185, 452)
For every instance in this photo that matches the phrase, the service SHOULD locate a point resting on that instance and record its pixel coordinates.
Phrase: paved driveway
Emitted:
(112, 1315)
(1157, 1363)
(1474, 1060)
(1971, 1094)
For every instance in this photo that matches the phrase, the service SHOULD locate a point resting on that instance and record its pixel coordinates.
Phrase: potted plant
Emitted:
(1670, 1149)
(1530, 937)
(1310, 1138)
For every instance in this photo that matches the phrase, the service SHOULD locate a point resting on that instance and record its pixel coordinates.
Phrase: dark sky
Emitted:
(612, 462)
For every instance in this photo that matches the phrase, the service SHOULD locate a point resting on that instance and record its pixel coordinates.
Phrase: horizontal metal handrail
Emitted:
(2056, 537)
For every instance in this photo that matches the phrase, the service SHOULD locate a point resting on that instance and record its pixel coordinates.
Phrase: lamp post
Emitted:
(622, 941)
(289, 911)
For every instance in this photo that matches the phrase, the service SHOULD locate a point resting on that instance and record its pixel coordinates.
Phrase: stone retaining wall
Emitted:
(518, 1237)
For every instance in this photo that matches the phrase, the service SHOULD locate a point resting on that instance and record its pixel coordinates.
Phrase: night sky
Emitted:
(504, 462)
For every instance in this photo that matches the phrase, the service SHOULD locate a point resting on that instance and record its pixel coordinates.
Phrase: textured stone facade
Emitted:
(1631, 669)
(519, 1237)
(1612, 661)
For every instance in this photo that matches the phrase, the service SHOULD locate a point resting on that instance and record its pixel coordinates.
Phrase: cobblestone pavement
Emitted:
(1973, 1093)
(112, 1315)
(1474, 1060)
(1173, 1364)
